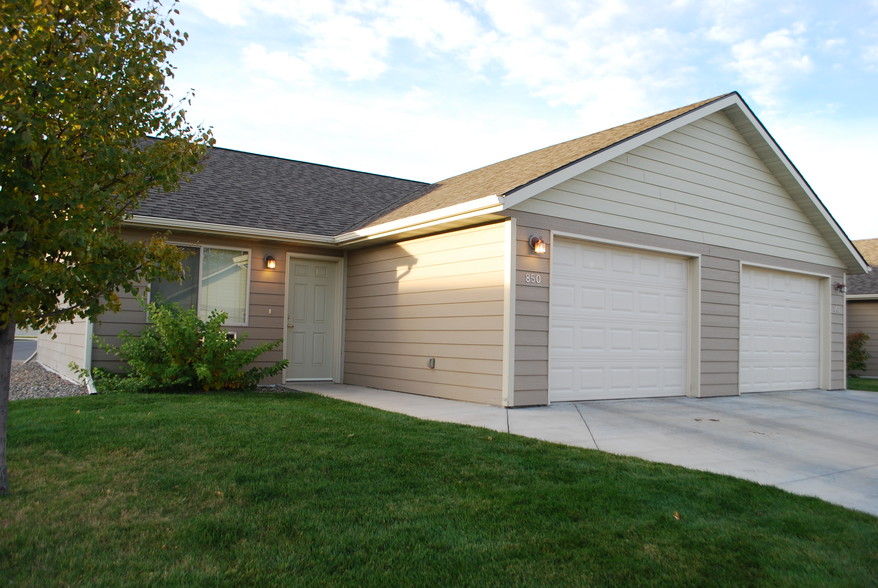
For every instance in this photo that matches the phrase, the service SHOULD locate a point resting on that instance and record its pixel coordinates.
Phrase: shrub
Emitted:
(179, 352)
(857, 354)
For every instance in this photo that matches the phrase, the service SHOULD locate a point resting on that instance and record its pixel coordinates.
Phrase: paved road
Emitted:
(23, 349)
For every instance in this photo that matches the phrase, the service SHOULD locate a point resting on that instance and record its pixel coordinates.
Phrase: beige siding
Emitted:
(265, 320)
(702, 184)
(720, 304)
(439, 297)
(862, 315)
(69, 344)
(532, 317)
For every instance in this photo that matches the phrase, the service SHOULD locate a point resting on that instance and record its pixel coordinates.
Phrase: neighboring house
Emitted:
(678, 255)
(862, 304)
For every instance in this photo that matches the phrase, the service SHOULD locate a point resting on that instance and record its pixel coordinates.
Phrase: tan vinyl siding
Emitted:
(532, 318)
(436, 297)
(69, 345)
(265, 317)
(862, 315)
(702, 183)
(720, 311)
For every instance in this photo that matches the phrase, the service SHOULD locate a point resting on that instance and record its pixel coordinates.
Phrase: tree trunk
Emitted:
(7, 340)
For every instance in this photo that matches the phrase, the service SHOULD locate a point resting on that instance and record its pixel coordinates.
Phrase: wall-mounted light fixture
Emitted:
(270, 262)
(840, 287)
(538, 245)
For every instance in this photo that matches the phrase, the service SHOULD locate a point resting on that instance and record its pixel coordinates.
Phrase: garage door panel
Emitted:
(615, 379)
(630, 320)
(780, 331)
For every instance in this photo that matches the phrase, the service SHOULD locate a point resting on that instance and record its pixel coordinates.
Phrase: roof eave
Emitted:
(472, 212)
(174, 224)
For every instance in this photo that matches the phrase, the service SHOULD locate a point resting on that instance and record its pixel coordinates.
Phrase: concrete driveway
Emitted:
(810, 442)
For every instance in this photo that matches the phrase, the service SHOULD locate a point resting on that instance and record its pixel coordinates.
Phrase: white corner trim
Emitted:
(509, 318)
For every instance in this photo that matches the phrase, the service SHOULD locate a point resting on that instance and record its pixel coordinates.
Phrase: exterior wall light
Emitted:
(840, 287)
(270, 262)
(538, 245)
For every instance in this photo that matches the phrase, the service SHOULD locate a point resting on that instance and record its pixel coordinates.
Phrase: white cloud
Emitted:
(277, 64)
(834, 44)
(227, 12)
(437, 24)
(870, 57)
(766, 64)
(343, 43)
(728, 21)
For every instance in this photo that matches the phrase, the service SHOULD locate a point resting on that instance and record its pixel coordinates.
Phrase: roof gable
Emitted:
(515, 180)
(506, 177)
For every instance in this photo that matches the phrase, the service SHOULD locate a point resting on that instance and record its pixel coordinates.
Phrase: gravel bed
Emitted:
(31, 380)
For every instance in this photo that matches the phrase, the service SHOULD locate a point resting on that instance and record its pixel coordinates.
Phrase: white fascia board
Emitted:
(861, 297)
(485, 205)
(150, 222)
(624, 146)
(802, 183)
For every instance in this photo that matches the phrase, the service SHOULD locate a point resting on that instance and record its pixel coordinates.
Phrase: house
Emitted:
(862, 304)
(678, 255)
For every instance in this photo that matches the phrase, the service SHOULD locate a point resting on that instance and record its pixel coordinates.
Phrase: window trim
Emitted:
(201, 247)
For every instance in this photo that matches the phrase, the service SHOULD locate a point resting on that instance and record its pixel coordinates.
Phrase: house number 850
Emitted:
(533, 279)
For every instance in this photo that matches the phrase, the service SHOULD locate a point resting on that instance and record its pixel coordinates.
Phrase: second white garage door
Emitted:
(780, 330)
(619, 322)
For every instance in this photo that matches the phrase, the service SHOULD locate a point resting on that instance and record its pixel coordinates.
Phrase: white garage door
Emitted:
(619, 323)
(780, 331)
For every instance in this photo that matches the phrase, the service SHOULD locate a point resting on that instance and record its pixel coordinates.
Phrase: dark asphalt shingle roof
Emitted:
(865, 283)
(248, 190)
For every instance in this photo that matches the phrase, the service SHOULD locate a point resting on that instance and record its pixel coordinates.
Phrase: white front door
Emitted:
(311, 319)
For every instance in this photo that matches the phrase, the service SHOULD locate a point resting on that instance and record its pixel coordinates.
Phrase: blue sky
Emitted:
(427, 89)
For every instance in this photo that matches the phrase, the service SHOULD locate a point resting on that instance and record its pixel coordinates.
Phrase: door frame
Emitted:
(338, 311)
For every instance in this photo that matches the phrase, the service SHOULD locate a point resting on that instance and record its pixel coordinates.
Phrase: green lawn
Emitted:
(295, 489)
(869, 385)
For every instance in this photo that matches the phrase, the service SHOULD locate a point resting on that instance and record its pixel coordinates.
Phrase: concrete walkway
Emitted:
(810, 442)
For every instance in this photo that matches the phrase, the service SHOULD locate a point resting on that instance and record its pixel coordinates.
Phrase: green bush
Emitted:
(857, 354)
(179, 352)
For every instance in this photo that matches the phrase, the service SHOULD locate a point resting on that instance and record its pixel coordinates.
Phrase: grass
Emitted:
(295, 489)
(867, 384)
